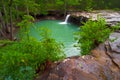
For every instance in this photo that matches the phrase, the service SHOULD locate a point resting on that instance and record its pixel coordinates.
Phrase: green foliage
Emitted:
(25, 25)
(86, 5)
(20, 60)
(50, 45)
(13, 64)
(116, 27)
(44, 33)
(91, 34)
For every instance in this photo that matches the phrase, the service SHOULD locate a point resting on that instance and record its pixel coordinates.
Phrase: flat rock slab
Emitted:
(111, 17)
(115, 42)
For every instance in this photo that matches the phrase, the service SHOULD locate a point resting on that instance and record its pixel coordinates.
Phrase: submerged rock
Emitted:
(102, 64)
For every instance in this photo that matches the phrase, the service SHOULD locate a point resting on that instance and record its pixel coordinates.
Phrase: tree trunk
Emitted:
(6, 19)
(17, 16)
(2, 22)
(65, 8)
(2, 33)
(11, 24)
(27, 9)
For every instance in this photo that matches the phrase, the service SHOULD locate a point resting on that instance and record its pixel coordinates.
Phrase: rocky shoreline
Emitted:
(102, 64)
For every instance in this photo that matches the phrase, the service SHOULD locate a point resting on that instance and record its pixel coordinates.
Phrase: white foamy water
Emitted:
(66, 20)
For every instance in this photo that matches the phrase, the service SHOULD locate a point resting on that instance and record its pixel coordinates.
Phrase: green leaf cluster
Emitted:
(19, 60)
(116, 27)
(91, 34)
(25, 24)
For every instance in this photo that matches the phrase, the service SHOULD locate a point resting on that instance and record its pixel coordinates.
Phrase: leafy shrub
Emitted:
(91, 34)
(25, 24)
(116, 27)
(19, 60)
(14, 66)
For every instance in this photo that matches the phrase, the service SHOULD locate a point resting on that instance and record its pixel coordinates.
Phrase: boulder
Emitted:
(102, 64)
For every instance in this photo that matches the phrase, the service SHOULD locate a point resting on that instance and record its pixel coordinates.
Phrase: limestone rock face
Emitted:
(111, 17)
(102, 64)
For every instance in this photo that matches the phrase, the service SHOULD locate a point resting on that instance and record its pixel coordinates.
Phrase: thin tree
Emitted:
(11, 23)
(5, 16)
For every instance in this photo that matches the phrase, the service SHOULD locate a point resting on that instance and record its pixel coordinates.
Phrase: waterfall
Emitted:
(66, 19)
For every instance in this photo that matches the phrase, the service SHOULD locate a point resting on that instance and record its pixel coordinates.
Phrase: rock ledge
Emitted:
(102, 64)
